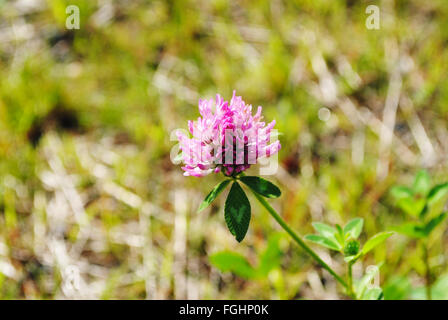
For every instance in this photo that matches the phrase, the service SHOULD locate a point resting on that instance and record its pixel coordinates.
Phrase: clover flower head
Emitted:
(227, 137)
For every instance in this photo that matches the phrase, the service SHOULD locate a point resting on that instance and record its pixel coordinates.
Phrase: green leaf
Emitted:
(421, 183)
(411, 206)
(213, 194)
(227, 261)
(262, 186)
(424, 211)
(400, 192)
(372, 294)
(237, 212)
(353, 228)
(339, 235)
(375, 240)
(411, 229)
(437, 193)
(321, 240)
(324, 229)
(397, 288)
(270, 258)
(434, 222)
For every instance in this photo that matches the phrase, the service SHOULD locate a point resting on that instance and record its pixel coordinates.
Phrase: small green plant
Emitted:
(268, 260)
(345, 240)
(421, 203)
(267, 268)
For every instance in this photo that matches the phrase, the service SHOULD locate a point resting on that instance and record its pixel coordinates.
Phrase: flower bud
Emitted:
(351, 248)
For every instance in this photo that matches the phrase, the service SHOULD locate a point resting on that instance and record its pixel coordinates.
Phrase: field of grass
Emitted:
(91, 205)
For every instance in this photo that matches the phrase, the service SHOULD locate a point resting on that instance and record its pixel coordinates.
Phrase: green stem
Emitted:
(350, 291)
(428, 271)
(297, 238)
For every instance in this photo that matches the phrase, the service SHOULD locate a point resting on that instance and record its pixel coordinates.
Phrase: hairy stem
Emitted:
(298, 239)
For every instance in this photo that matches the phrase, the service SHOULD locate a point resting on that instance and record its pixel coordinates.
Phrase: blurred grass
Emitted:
(86, 117)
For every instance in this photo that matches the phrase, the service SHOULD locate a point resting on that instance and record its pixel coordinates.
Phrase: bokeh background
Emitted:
(91, 205)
